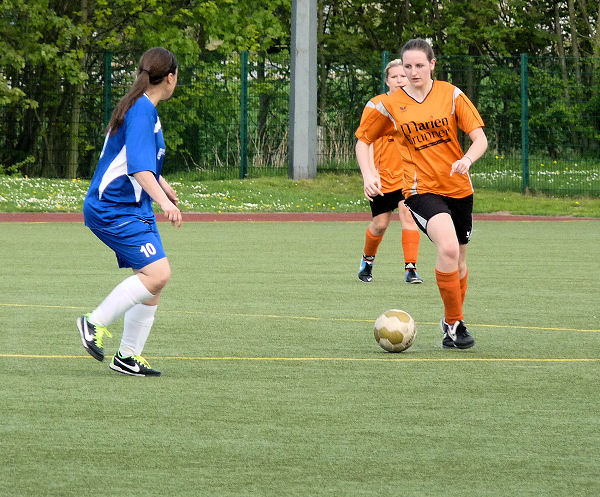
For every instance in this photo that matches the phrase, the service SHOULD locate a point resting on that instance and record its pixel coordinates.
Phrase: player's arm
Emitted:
(469, 121)
(147, 181)
(374, 123)
(478, 147)
(169, 190)
(371, 180)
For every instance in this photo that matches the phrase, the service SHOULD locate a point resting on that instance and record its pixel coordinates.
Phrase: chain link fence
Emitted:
(229, 117)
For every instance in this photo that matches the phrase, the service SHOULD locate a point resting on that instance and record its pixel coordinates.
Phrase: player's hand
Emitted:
(172, 195)
(372, 187)
(461, 166)
(172, 213)
(169, 191)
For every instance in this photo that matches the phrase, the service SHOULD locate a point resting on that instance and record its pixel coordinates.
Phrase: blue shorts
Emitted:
(136, 243)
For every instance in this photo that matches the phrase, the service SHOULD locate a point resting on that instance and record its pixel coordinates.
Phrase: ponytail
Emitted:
(155, 65)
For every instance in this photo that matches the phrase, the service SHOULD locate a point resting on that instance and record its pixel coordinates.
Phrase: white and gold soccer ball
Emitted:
(395, 330)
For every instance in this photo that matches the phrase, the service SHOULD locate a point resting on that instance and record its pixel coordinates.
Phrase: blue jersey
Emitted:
(138, 145)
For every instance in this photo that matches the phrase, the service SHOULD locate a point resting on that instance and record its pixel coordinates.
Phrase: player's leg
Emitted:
(462, 217)
(382, 207)
(411, 238)
(93, 326)
(138, 321)
(463, 271)
(136, 244)
(434, 216)
(373, 237)
(441, 230)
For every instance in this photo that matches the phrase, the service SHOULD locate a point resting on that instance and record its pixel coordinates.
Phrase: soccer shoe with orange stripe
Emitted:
(92, 337)
(132, 365)
(456, 336)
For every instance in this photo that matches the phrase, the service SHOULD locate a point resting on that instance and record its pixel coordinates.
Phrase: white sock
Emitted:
(129, 292)
(138, 322)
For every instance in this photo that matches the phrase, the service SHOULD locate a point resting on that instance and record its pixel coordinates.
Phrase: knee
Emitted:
(163, 278)
(449, 252)
(156, 278)
(378, 227)
(406, 218)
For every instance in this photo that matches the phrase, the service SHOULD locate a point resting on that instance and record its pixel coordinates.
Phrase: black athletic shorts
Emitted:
(386, 203)
(426, 205)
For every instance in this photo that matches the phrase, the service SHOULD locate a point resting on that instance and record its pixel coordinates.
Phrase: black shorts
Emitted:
(426, 205)
(386, 203)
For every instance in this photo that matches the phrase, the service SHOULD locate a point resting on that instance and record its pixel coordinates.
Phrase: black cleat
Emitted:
(456, 336)
(132, 365)
(412, 277)
(365, 272)
(92, 337)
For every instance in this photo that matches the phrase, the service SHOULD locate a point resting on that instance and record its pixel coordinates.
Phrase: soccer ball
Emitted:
(395, 330)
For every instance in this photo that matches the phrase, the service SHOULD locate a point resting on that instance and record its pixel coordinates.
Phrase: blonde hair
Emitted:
(390, 64)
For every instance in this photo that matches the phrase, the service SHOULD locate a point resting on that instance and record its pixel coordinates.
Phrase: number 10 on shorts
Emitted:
(148, 250)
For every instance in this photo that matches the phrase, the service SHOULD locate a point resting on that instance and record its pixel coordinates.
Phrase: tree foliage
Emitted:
(52, 77)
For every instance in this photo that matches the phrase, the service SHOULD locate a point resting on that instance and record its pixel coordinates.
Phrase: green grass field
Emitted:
(272, 382)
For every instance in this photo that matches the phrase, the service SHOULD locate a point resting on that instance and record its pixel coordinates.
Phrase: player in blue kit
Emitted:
(118, 210)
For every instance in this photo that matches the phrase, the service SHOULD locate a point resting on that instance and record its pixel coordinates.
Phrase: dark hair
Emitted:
(419, 44)
(155, 65)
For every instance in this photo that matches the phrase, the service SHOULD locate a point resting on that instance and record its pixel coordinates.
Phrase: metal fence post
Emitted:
(385, 58)
(303, 142)
(524, 124)
(107, 85)
(244, 115)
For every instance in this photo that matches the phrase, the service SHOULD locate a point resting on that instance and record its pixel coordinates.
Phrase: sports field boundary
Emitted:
(76, 217)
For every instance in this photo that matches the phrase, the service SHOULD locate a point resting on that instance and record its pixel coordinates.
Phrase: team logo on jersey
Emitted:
(403, 108)
(426, 134)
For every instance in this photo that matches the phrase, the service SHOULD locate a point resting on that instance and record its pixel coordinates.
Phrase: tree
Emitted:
(52, 57)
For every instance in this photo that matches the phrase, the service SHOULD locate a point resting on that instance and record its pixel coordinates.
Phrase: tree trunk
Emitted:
(77, 94)
(586, 20)
(323, 68)
(596, 36)
(561, 51)
(73, 150)
(402, 20)
(574, 40)
(264, 101)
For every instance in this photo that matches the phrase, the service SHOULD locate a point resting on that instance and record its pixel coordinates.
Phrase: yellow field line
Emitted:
(315, 318)
(324, 359)
(41, 306)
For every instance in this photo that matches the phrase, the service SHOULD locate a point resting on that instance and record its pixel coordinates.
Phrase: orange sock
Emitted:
(410, 245)
(463, 286)
(449, 286)
(371, 243)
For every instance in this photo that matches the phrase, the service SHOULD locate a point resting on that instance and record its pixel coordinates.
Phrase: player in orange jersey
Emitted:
(383, 178)
(426, 115)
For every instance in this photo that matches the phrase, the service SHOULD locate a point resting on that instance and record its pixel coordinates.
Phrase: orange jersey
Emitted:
(386, 152)
(429, 133)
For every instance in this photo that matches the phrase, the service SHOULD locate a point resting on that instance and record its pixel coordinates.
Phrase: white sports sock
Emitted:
(129, 292)
(136, 328)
